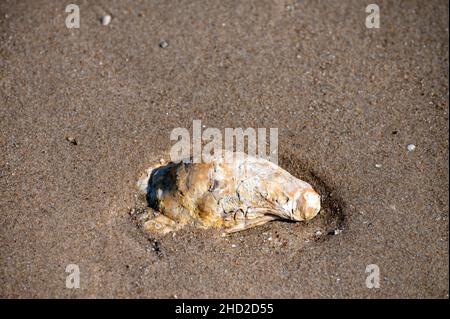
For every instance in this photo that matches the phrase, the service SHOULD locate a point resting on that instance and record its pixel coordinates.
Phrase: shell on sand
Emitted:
(232, 195)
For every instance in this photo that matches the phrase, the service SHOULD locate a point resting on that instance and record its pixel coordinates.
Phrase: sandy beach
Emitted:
(84, 111)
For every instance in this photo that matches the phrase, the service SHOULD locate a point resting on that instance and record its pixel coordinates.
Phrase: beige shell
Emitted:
(232, 195)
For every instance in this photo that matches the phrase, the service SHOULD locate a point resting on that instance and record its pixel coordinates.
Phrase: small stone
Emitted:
(233, 245)
(378, 165)
(318, 233)
(269, 239)
(106, 19)
(72, 140)
(411, 147)
(337, 231)
(163, 44)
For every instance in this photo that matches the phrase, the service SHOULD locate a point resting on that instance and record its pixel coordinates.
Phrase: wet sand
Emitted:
(347, 101)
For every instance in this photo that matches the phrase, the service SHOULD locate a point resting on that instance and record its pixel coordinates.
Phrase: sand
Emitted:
(85, 111)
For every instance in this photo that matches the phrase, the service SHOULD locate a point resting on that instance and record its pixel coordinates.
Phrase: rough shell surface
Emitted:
(232, 195)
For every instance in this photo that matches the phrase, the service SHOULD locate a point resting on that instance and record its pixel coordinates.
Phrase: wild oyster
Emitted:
(232, 195)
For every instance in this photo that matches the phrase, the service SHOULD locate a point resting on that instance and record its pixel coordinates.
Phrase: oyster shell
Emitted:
(233, 195)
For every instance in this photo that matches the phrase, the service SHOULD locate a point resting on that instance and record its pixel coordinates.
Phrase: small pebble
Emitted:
(318, 233)
(411, 147)
(337, 231)
(106, 19)
(72, 140)
(163, 44)
(378, 165)
(233, 245)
